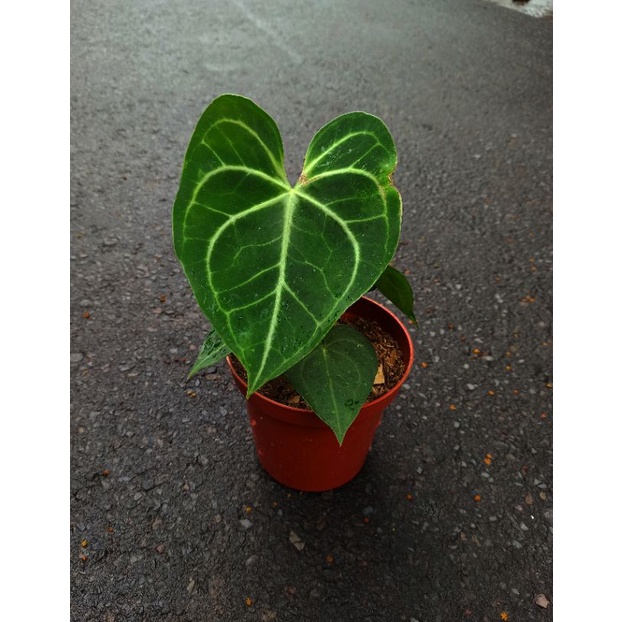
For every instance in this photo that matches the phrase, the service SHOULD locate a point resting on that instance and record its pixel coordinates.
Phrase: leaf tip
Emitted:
(339, 434)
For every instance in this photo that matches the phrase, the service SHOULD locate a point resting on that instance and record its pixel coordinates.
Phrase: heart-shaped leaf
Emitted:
(212, 351)
(336, 377)
(273, 267)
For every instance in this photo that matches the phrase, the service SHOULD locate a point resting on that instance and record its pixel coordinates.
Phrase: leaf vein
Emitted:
(336, 144)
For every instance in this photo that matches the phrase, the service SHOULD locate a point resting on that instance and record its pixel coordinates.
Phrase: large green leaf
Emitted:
(336, 377)
(273, 267)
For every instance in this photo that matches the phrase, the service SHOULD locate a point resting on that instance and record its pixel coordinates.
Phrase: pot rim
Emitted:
(388, 396)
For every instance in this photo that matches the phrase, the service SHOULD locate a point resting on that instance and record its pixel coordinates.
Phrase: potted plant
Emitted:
(281, 272)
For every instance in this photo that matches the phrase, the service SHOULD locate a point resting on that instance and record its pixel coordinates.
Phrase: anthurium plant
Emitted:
(274, 266)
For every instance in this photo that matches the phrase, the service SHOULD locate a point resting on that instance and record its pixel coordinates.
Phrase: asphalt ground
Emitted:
(172, 518)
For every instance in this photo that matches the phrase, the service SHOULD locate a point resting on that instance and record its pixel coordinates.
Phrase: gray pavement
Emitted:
(451, 517)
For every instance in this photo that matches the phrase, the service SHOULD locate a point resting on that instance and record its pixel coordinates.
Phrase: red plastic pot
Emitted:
(297, 448)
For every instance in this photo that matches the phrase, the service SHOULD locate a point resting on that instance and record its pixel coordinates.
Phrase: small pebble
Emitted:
(296, 541)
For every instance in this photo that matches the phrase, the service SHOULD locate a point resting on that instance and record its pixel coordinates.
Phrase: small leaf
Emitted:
(336, 377)
(395, 286)
(212, 351)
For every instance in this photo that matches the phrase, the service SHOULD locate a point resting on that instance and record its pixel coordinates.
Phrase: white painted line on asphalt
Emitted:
(276, 38)
(534, 8)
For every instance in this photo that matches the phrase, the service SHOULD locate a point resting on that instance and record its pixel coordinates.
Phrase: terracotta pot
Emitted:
(297, 448)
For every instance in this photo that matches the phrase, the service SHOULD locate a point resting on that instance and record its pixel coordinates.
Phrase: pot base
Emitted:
(306, 456)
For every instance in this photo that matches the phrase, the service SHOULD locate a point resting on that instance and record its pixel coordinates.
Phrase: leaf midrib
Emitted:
(333, 397)
(290, 206)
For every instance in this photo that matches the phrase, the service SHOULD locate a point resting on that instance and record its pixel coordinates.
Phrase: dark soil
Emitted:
(389, 360)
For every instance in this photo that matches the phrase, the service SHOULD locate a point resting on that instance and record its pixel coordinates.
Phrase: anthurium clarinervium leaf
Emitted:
(395, 286)
(274, 266)
(336, 377)
(212, 351)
